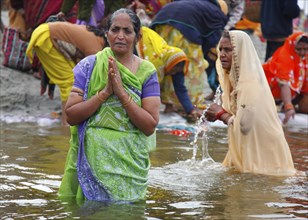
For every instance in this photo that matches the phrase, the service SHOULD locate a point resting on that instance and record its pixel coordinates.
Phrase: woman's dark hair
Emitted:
(133, 17)
(303, 39)
(96, 30)
(225, 34)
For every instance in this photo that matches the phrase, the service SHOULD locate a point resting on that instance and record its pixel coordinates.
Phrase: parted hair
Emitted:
(133, 17)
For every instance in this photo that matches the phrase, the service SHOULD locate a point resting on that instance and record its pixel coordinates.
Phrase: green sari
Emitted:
(116, 152)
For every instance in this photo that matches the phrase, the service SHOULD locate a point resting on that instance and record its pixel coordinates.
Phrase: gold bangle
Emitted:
(99, 98)
(129, 100)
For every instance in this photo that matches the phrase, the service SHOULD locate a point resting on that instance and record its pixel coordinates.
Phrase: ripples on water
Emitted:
(32, 157)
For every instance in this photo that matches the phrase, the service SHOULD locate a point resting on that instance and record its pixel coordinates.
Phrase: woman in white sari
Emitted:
(255, 136)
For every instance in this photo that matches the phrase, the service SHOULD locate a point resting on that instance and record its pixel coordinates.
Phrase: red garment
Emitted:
(286, 66)
(37, 11)
(153, 6)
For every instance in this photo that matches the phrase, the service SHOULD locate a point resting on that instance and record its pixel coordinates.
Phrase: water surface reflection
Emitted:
(32, 159)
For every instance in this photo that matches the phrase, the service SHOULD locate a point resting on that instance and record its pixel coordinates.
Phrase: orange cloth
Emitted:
(17, 21)
(244, 24)
(78, 35)
(287, 67)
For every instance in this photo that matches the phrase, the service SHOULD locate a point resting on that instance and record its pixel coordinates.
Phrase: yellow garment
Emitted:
(154, 48)
(58, 69)
(256, 139)
(223, 6)
(195, 79)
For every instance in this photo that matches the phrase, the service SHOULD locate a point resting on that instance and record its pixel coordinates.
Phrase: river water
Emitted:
(181, 186)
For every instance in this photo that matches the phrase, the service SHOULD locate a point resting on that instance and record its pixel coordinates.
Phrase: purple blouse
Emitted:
(81, 71)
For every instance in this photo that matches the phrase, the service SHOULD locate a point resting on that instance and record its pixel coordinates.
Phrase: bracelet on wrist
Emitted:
(225, 118)
(98, 97)
(219, 114)
(129, 100)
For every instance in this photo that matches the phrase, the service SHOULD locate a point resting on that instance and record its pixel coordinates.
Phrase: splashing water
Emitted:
(201, 131)
(217, 97)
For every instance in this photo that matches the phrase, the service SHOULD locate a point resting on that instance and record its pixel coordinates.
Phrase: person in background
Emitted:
(113, 5)
(4, 5)
(27, 15)
(142, 10)
(59, 46)
(277, 22)
(210, 55)
(155, 5)
(235, 12)
(250, 21)
(89, 12)
(256, 141)
(233, 9)
(171, 64)
(147, 9)
(195, 32)
(17, 18)
(287, 74)
(115, 103)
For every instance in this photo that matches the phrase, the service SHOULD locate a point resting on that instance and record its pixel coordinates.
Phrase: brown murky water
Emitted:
(32, 159)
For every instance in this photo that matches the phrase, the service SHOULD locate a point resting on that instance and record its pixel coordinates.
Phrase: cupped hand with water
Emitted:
(194, 115)
(211, 112)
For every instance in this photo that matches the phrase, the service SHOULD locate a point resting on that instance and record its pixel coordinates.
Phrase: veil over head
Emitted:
(256, 139)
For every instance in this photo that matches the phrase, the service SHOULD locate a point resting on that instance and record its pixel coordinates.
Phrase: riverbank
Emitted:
(20, 98)
(20, 94)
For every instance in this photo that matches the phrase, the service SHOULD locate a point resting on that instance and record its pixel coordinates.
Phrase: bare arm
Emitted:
(145, 118)
(287, 100)
(235, 14)
(215, 112)
(78, 110)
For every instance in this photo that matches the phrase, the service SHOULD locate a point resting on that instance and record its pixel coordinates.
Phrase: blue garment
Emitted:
(277, 22)
(201, 19)
(212, 78)
(202, 24)
(181, 91)
(277, 18)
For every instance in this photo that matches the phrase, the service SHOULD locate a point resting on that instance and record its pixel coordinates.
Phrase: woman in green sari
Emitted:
(115, 102)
